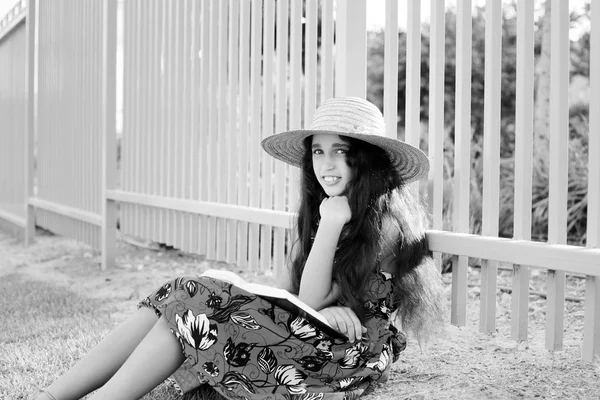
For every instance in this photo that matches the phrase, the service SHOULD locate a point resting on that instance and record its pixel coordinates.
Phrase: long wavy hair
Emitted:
(376, 193)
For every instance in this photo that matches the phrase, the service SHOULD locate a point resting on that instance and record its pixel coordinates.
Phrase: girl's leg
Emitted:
(100, 364)
(156, 357)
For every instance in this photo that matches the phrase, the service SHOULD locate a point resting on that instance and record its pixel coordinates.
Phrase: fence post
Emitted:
(558, 174)
(109, 159)
(31, 22)
(591, 329)
(462, 157)
(523, 164)
(351, 49)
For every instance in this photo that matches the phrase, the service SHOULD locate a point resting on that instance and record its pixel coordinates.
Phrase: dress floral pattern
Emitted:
(247, 348)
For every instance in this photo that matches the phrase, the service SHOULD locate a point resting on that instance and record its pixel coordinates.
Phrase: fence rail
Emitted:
(200, 83)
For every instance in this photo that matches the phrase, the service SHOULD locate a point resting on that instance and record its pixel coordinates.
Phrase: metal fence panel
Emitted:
(13, 117)
(69, 127)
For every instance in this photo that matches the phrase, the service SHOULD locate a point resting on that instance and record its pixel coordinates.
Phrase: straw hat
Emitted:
(356, 118)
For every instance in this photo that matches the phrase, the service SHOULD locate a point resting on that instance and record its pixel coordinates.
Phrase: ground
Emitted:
(462, 363)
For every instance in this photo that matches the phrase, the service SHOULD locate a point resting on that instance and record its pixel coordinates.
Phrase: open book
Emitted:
(281, 298)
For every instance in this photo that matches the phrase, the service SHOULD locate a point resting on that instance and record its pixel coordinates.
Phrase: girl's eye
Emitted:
(317, 151)
(341, 151)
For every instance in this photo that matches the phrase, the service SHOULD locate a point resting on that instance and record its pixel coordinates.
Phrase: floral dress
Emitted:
(247, 348)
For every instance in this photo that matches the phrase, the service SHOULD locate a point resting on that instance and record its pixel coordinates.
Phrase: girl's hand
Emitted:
(335, 209)
(344, 320)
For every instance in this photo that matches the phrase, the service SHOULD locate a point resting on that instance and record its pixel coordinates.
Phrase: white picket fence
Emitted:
(202, 82)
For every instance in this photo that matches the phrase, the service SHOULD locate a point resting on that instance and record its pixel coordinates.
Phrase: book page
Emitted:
(280, 297)
(226, 276)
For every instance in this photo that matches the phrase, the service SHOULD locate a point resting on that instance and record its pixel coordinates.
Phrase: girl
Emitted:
(360, 257)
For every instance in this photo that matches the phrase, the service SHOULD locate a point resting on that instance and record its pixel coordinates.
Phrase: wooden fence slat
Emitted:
(51, 93)
(185, 162)
(41, 140)
(84, 139)
(159, 119)
(266, 231)
(458, 310)
(194, 140)
(29, 173)
(281, 126)
(81, 142)
(351, 48)
(55, 186)
(327, 27)
(165, 219)
(203, 121)
(90, 136)
(591, 324)
(295, 105)
(390, 65)
(77, 48)
(437, 56)
(179, 117)
(144, 99)
(212, 126)
(221, 113)
(310, 61)
(413, 73)
(232, 130)
(138, 116)
(174, 116)
(158, 136)
(591, 328)
(523, 176)
(164, 154)
(462, 154)
(78, 169)
(182, 106)
(255, 126)
(43, 47)
(57, 135)
(70, 227)
(129, 115)
(491, 159)
(95, 183)
(558, 159)
(243, 178)
(154, 131)
(64, 226)
(186, 130)
(123, 176)
(109, 159)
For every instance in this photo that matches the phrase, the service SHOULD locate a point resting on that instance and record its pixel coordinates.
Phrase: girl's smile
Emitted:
(329, 163)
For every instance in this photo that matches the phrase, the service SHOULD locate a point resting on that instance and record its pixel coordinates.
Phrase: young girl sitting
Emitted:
(361, 259)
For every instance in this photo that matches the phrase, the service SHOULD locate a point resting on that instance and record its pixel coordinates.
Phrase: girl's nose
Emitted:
(328, 163)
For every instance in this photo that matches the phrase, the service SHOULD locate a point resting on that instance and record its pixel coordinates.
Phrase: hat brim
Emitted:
(410, 162)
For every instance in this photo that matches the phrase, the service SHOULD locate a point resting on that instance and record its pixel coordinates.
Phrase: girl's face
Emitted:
(329, 163)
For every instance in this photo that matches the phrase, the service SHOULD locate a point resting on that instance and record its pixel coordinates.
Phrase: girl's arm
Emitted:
(316, 287)
(284, 280)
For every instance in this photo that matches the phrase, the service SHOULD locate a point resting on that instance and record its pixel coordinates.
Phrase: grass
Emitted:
(40, 321)
(45, 329)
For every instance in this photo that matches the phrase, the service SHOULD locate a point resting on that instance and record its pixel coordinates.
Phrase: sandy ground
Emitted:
(462, 363)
